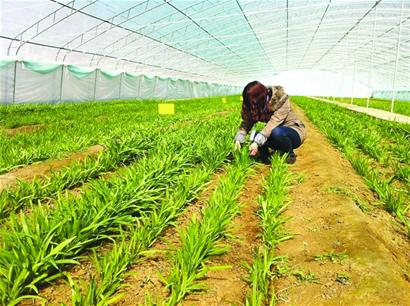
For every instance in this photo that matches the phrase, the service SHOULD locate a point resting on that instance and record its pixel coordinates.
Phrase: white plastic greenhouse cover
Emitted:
(359, 42)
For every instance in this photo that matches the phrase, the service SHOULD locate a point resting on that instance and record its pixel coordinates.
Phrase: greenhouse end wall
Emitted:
(31, 82)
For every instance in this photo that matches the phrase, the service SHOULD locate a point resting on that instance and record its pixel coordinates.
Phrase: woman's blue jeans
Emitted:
(283, 139)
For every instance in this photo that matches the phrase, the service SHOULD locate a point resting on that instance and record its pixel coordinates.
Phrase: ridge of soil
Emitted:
(30, 128)
(30, 172)
(229, 286)
(377, 249)
(144, 276)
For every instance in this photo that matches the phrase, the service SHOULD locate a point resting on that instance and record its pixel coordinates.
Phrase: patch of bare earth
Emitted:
(229, 287)
(376, 247)
(24, 129)
(30, 172)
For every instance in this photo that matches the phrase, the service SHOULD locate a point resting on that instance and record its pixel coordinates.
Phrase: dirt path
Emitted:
(28, 173)
(229, 287)
(376, 250)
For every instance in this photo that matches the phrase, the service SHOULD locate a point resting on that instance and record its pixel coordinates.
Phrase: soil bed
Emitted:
(375, 248)
(144, 279)
(30, 172)
(229, 287)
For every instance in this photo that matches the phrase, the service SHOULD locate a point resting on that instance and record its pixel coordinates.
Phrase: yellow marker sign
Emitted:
(223, 100)
(166, 109)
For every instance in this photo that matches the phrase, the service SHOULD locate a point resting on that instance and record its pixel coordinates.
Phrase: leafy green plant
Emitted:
(272, 205)
(306, 276)
(331, 256)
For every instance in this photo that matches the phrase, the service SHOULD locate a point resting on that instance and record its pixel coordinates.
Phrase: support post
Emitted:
(397, 58)
(353, 77)
(155, 86)
(140, 77)
(95, 84)
(119, 90)
(371, 57)
(61, 83)
(14, 82)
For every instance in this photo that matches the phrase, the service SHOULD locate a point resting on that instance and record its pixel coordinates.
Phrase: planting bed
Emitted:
(167, 213)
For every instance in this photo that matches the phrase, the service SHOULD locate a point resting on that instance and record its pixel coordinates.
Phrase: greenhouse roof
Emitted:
(229, 41)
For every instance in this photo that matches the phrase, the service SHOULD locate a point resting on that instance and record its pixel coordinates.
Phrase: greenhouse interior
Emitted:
(205, 152)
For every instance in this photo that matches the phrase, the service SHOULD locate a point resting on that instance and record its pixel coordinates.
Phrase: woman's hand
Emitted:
(253, 148)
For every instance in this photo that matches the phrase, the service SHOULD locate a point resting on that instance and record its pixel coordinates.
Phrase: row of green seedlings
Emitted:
(60, 138)
(200, 239)
(393, 199)
(36, 247)
(387, 144)
(73, 127)
(400, 107)
(111, 268)
(118, 152)
(272, 205)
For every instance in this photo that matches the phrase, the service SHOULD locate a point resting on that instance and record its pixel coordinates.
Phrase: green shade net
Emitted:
(110, 74)
(5, 63)
(79, 72)
(132, 75)
(41, 67)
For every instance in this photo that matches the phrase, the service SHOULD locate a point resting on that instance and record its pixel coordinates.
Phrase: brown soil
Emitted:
(30, 172)
(59, 292)
(229, 287)
(377, 248)
(24, 129)
(144, 279)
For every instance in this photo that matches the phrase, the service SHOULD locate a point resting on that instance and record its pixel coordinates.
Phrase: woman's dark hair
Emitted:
(247, 103)
(245, 96)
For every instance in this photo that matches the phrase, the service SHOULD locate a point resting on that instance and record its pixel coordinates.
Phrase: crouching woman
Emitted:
(283, 132)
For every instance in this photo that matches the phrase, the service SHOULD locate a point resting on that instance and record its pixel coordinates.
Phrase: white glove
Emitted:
(240, 136)
(260, 139)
